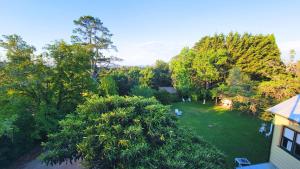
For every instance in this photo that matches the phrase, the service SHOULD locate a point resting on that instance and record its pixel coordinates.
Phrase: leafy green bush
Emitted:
(128, 132)
(246, 104)
(166, 98)
(144, 91)
(16, 135)
(108, 86)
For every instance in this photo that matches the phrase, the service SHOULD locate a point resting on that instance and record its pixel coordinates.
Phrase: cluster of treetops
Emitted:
(70, 98)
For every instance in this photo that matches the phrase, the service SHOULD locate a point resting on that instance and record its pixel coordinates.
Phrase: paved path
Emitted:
(37, 164)
(31, 161)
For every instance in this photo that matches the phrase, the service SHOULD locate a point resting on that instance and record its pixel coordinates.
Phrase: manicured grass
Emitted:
(232, 132)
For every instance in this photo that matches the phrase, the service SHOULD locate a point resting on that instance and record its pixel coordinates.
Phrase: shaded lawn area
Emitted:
(232, 132)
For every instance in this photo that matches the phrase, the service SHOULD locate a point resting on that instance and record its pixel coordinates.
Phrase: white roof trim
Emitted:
(289, 108)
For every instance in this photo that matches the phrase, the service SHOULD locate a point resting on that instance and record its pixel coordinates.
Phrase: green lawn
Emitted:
(234, 133)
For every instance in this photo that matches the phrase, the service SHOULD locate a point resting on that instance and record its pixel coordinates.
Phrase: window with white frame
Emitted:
(290, 141)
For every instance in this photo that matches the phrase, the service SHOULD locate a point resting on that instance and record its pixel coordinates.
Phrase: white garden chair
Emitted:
(262, 129)
(178, 113)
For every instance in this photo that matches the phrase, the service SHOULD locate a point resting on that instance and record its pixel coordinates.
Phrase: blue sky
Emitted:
(146, 30)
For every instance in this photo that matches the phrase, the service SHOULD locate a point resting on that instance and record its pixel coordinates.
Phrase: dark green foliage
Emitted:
(123, 82)
(206, 65)
(182, 72)
(212, 52)
(195, 71)
(147, 75)
(241, 90)
(238, 83)
(280, 88)
(34, 95)
(17, 100)
(70, 75)
(128, 132)
(125, 77)
(16, 135)
(156, 76)
(185, 150)
(144, 91)
(258, 55)
(198, 72)
(165, 97)
(162, 74)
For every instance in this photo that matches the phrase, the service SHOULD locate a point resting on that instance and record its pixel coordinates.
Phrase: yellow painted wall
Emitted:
(279, 157)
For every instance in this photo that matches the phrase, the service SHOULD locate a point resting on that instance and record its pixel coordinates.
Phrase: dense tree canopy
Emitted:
(207, 64)
(162, 75)
(280, 87)
(181, 67)
(18, 98)
(256, 55)
(71, 74)
(35, 94)
(142, 90)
